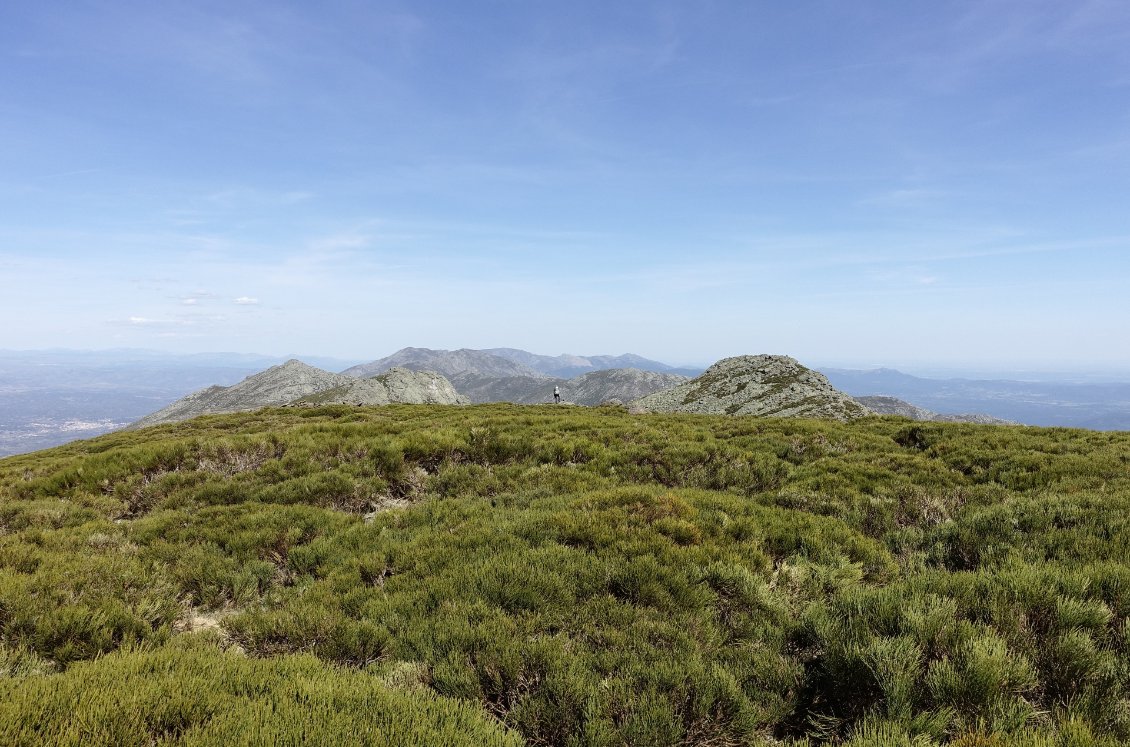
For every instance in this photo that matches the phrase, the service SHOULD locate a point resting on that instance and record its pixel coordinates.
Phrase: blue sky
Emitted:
(846, 182)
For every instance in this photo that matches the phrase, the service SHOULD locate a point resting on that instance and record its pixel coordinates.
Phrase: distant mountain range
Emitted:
(511, 375)
(506, 362)
(747, 385)
(50, 397)
(295, 383)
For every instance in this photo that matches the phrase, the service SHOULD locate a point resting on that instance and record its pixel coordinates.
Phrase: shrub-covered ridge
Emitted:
(579, 577)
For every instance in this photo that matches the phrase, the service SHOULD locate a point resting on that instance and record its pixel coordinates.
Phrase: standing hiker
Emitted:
(556, 395)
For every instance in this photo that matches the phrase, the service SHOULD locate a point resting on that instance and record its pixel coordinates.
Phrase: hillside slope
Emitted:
(766, 385)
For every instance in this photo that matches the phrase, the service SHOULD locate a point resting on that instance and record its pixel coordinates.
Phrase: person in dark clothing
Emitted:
(556, 395)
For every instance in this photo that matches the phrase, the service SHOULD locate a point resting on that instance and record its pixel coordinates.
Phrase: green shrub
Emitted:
(190, 693)
(582, 577)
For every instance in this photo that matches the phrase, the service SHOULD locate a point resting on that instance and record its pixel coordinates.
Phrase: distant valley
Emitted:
(1097, 406)
(49, 397)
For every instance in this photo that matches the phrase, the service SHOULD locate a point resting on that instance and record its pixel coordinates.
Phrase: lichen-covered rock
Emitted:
(766, 385)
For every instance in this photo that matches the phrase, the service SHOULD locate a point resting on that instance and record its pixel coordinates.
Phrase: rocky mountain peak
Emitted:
(766, 385)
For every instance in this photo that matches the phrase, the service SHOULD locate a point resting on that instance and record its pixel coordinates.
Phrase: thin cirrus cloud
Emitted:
(243, 197)
(246, 301)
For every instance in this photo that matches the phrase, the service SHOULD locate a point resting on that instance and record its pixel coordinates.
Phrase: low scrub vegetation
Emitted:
(567, 576)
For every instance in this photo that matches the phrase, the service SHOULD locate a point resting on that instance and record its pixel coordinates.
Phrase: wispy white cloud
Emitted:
(908, 276)
(230, 198)
(988, 35)
(341, 243)
(246, 301)
(1094, 22)
(196, 297)
(145, 321)
(914, 197)
(64, 174)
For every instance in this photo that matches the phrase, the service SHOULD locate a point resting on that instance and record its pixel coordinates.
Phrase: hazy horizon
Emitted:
(922, 369)
(936, 185)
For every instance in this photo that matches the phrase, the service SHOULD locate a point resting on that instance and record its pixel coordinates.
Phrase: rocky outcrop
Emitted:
(395, 386)
(766, 385)
(277, 385)
(591, 389)
(894, 406)
(447, 362)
